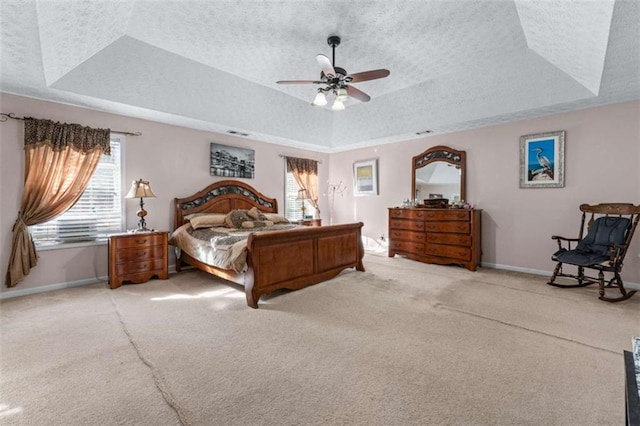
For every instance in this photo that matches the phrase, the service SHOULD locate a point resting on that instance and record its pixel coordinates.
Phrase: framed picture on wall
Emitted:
(231, 161)
(365, 177)
(542, 160)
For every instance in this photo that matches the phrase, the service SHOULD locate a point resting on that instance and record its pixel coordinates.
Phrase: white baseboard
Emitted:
(634, 286)
(172, 269)
(51, 287)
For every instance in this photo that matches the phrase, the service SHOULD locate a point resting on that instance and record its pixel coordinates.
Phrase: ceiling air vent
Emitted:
(233, 132)
(424, 132)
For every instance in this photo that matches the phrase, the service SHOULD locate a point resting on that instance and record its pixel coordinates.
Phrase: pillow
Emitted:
(192, 215)
(276, 218)
(207, 220)
(256, 214)
(235, 218)
(257, 224)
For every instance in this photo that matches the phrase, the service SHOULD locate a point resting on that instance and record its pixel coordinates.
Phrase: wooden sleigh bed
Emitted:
(288, 259)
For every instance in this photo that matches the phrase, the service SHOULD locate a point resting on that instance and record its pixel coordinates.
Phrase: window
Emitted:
(97, 213)
(293, 206)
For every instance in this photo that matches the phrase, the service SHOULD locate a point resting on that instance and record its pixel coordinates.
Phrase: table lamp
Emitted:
(141, 189)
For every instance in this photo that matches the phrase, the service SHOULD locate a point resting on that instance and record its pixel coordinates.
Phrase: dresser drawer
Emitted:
(407, 213)
(461, 253)
(139, 253)
(453, 227)
(449, 215)
(453, 239)
(138, 240)
(140, 266)
(406, 246)
(395, 234)
(409, 225)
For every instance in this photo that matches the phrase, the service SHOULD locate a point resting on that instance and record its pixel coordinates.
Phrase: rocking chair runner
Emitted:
(609, 230)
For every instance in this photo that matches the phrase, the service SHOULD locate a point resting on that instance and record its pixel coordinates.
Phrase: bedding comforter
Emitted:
(224, 248)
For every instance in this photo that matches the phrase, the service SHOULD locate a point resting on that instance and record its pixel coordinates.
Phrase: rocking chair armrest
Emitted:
(558, 237)
(564, 241)
(615, 250)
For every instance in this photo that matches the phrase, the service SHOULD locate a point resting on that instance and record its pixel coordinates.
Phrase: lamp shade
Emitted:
(302, 195)
(140, 189)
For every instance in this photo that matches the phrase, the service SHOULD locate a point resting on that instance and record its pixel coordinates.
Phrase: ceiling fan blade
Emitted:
(369, 75)
(325, 64)
(358, 94)
(298, 82)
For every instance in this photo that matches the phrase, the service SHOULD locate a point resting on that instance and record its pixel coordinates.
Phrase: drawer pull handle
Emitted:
(141, 241)
(142, 254)
(142, 266)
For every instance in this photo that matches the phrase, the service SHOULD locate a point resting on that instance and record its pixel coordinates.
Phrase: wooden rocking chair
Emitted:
(609, 231)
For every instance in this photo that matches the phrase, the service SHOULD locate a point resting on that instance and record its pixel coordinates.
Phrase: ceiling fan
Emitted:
(336, 80)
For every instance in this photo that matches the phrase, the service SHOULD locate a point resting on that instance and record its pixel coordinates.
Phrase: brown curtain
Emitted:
(305, 172)
(59, 162)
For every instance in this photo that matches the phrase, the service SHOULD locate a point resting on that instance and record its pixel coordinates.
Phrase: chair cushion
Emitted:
(579, 258)
(595, 247)
(604, 232)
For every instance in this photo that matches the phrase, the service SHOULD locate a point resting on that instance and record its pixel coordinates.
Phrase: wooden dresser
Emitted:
(137, 257)
(442, 236)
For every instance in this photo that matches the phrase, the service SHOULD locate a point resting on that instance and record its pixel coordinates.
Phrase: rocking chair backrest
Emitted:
(612, 223)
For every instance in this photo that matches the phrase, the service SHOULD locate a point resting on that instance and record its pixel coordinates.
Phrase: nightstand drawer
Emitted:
(138, 257)
(140, 266)
(139, 253)
(138, 240)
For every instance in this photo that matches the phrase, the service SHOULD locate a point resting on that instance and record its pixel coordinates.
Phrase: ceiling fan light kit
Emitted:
(336, 80)
(320, 99)
(337, 105)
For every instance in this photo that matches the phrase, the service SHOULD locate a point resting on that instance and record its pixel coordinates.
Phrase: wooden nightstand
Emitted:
(310, 222)
(136, 257)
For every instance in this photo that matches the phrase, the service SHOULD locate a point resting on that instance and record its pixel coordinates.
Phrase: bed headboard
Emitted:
(222, 197)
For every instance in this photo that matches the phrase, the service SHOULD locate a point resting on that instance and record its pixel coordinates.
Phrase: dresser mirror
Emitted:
(439, 172)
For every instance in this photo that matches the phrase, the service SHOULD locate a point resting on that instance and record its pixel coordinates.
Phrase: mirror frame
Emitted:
(441, 153)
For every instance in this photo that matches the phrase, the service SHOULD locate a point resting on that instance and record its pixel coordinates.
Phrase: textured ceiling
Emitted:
(213, 65)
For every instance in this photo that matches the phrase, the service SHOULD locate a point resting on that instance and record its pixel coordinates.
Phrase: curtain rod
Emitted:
(4, 116)
(285, 156)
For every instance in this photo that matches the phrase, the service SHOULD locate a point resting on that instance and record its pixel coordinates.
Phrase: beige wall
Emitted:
(174, 159)
(602, 158)
(602, 164)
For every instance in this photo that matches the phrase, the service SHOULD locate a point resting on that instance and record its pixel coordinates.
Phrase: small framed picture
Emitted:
(365, 177)
(542, 160)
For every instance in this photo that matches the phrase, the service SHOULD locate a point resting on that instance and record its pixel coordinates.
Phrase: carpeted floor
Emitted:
(402, 344)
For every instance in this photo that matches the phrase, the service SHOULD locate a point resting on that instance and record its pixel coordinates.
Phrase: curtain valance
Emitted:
(61, 135)
(302, 165)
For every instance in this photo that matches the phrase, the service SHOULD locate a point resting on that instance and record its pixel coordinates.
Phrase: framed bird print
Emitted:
(542, 160)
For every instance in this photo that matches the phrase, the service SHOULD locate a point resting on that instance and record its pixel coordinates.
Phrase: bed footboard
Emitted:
(298, 258)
